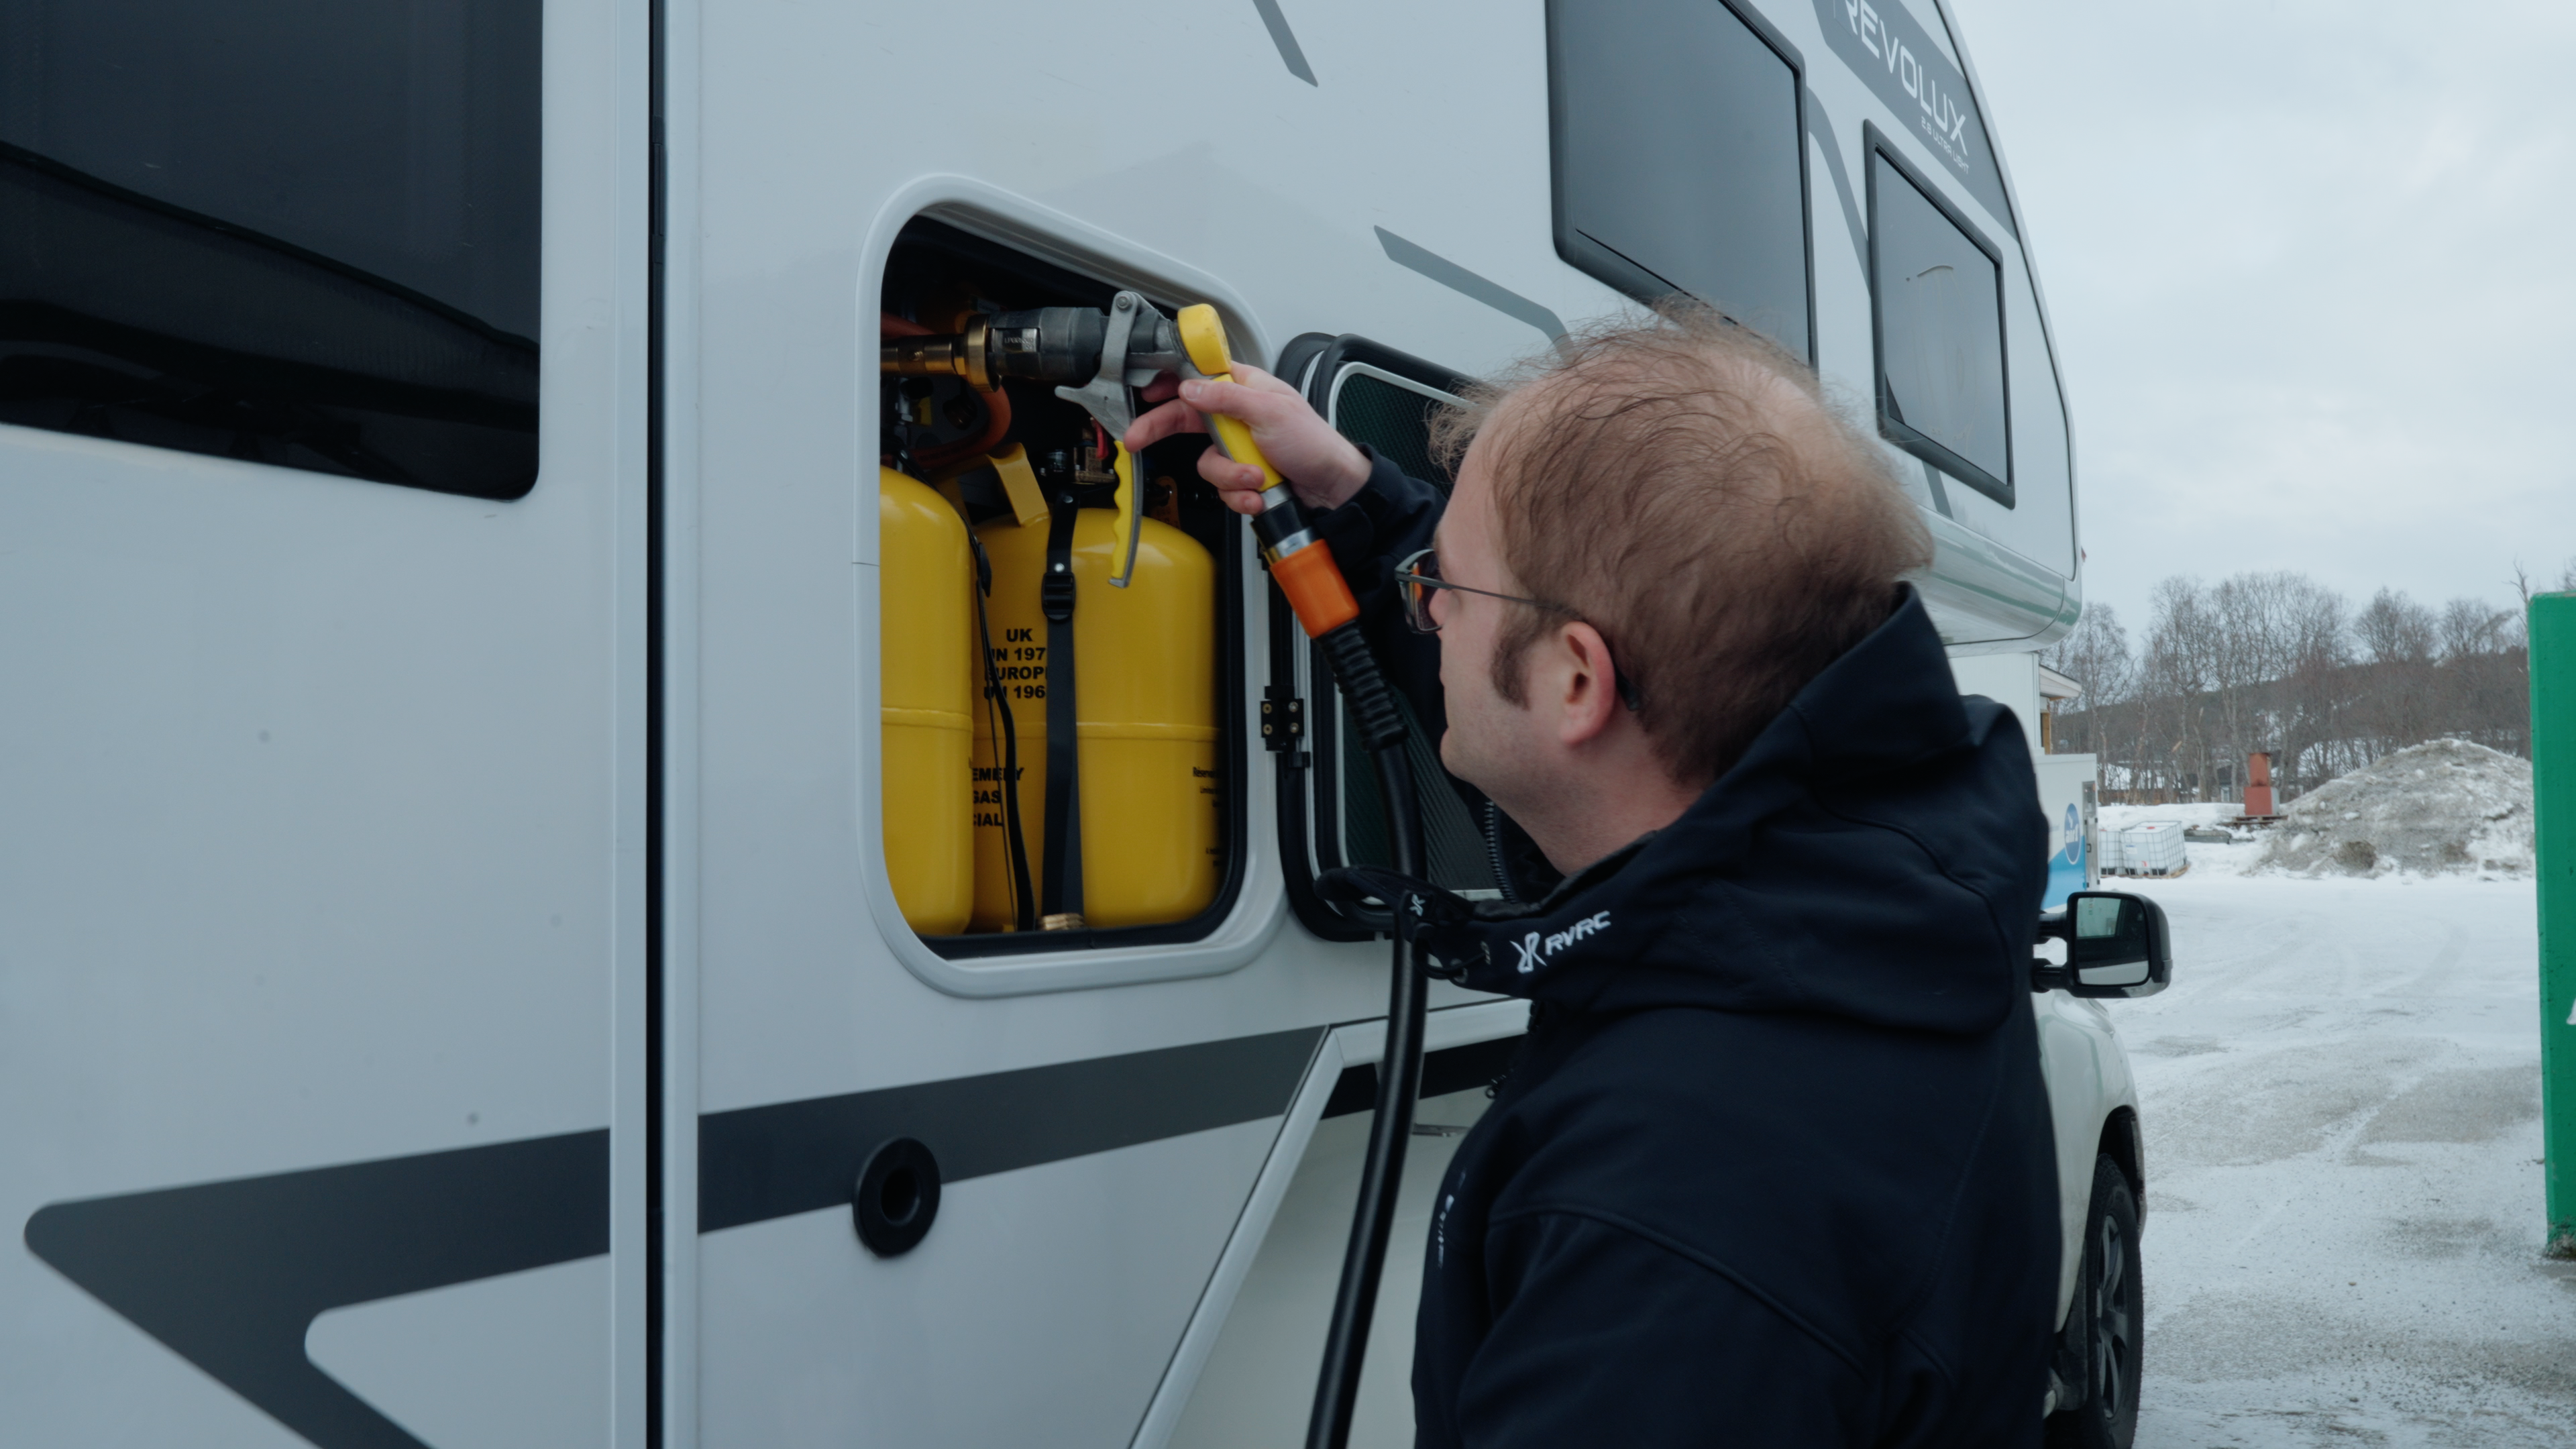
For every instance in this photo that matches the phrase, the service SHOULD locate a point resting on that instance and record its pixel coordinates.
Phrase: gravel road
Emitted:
(2341, 1101)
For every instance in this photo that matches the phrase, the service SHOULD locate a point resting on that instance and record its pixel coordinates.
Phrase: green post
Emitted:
(2553, 764)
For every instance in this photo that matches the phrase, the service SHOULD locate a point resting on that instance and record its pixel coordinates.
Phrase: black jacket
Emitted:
(1774, 1166)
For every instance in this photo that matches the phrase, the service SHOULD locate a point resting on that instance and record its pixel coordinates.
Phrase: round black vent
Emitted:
(897, 1197)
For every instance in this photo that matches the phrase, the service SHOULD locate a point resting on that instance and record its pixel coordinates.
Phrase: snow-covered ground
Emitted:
(2341, 1098)
(2215, 812)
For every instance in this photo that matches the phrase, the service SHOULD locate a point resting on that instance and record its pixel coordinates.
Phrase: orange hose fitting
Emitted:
(1315, 589)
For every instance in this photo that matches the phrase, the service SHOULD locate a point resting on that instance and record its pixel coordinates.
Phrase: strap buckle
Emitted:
(1055, 591)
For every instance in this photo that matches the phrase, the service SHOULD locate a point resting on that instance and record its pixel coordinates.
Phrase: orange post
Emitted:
(2258, 784)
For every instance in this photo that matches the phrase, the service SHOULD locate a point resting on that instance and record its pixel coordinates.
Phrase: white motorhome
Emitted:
(462, 915)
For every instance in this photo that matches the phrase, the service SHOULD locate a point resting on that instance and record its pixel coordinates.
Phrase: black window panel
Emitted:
(1395, 420)
(295, 232)
(1936, 291)
(1341, 820)
(1678, 159)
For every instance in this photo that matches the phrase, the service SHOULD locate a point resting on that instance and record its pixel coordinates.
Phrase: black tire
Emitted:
(2109, 1321)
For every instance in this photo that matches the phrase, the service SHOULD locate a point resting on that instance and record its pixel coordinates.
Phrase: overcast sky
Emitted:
(2309, 267)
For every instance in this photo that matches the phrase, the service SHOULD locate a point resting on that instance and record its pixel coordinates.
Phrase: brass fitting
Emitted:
(964, 354)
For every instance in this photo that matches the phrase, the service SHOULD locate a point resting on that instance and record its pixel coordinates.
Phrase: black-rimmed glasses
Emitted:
(1419, 574)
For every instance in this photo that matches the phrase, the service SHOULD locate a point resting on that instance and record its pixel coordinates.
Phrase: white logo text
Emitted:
(1534, 948)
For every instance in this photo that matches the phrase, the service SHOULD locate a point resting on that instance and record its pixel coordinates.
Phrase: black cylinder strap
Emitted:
(1060, 897)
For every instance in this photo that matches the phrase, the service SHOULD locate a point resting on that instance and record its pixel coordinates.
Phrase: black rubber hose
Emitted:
(1399, 1076)
(999, 721)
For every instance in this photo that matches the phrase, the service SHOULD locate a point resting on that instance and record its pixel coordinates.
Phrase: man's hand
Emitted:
(1319, 464)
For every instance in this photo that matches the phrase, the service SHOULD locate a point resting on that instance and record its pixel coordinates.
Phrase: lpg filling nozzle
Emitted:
(1099, 359)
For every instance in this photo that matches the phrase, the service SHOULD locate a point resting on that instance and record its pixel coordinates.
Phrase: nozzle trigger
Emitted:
(1126, 526)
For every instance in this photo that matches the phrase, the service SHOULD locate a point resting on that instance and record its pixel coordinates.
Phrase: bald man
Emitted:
(1773, 1166)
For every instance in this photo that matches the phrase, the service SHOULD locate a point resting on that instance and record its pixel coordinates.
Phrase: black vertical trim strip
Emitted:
(656, 1015)
(1807, 209)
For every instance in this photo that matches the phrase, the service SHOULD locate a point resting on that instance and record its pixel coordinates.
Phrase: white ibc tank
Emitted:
(2152, 848)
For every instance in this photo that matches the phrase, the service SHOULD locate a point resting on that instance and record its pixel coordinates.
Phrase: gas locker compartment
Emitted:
(1014, 604)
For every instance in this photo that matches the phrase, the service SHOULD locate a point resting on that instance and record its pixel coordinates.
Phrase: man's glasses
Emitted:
(1419, 574)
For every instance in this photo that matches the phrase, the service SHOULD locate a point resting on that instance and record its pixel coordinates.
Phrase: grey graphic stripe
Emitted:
(230, 1274)
(1458, 279)
(1285, 39)
(1822, 129)
(1451, 1069)
(758, 1163)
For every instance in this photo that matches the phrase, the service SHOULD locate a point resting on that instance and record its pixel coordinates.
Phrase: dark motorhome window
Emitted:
(1678, 159)
(278, 231)
(1936, 292)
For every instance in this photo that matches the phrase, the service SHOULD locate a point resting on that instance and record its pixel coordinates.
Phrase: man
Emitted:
(1774, 1165)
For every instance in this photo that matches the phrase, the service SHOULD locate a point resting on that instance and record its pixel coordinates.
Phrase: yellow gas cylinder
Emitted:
(1145, 712)
(925, 681)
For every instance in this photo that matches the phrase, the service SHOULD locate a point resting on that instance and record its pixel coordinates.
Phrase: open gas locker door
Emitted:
(1331, 811)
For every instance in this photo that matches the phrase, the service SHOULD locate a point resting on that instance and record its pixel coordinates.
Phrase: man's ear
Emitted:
(1584, 685)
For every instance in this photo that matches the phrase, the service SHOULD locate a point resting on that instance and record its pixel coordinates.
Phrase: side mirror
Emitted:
(2117, 944)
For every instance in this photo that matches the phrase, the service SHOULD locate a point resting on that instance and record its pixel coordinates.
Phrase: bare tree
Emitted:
(2526, 586)
(2180, 670)
(2314, 695)
(2394, 629)
(2468, 628)
(2398, 636)
(2262, 626)
(2483, 678)
(2096, 656)
(2277, 662)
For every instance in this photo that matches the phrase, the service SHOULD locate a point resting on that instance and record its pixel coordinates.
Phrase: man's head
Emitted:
(1692, 515)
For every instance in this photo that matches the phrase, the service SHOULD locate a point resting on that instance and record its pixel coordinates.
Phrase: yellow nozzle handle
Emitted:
(1203, 336)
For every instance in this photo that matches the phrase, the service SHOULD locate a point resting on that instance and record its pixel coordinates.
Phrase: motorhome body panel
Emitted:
(322, 910)
(413, 919)
(803, 990)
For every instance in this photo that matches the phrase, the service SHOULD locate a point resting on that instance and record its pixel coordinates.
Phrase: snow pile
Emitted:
(2447, 805)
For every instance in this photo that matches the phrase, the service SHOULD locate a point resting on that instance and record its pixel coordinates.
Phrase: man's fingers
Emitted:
(1239, 483)
(1275, 412)
(1169, 420)
(1257, 406)
(1260, 381)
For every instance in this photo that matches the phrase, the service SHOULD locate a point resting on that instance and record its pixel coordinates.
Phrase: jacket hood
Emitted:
(1878, 854)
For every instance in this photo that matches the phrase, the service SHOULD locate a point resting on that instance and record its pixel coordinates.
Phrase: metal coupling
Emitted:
(966, 354)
